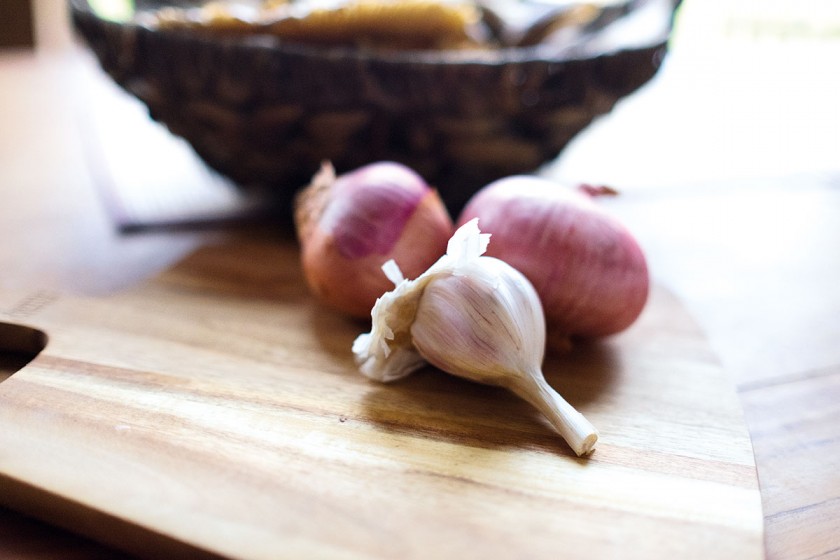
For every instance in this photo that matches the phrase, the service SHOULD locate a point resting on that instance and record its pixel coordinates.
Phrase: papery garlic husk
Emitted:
(475, 317)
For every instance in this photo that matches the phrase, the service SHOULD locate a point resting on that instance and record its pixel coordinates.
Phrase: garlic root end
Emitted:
(578, 432)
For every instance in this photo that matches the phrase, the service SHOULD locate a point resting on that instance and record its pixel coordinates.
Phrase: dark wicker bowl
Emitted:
(266, 114)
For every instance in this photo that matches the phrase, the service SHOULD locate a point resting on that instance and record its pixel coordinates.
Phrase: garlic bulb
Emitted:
(472, 316)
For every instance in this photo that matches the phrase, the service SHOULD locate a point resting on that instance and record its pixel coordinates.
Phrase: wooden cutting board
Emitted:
(216, 410)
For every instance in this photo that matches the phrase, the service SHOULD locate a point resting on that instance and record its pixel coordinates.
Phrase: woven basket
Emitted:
(266, 114)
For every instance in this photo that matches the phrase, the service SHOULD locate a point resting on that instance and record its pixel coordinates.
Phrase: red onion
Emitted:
(588, 270)
(349, 226)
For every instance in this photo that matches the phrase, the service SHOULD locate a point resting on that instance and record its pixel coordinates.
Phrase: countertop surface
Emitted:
(729, 174)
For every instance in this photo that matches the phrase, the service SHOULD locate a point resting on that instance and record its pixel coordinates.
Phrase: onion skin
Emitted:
(589, 271)
(349, 226)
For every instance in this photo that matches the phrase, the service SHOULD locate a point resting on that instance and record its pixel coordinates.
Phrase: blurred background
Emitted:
(779, 57)
(776, 116)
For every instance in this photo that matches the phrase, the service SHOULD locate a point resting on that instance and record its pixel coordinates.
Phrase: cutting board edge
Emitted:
(94, 523)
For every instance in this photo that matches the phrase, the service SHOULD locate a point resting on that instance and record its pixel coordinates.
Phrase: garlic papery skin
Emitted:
(475, 317)
(349, 225)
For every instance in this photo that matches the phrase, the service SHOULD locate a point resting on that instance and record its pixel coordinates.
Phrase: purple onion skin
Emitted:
(350, 225)
(588, 269)
(377, 202)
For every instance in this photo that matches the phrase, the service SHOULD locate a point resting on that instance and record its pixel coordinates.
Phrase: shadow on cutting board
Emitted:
(19, 345)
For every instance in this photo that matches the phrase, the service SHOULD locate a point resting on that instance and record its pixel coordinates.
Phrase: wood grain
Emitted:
(800, 457)
(217, 405)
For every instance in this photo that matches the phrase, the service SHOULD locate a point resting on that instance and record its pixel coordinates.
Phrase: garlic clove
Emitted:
(475, 317)
(484, 323)
(381, 353)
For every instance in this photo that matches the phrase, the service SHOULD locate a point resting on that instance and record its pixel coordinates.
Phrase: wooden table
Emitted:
(730, 176)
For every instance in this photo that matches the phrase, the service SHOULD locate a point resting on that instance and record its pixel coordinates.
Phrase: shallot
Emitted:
(588, 269)
(349, 226)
